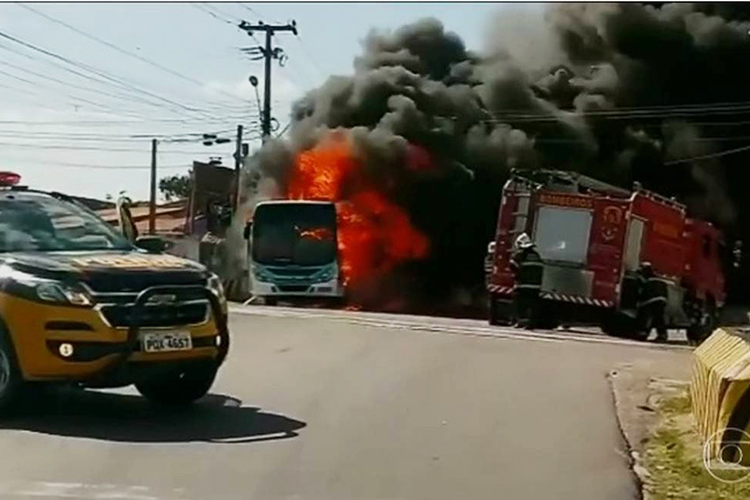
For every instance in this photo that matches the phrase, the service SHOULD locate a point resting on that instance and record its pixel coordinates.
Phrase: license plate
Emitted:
(166, 341)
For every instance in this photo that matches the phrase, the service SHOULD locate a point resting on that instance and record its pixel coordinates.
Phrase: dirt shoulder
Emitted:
(654, 414)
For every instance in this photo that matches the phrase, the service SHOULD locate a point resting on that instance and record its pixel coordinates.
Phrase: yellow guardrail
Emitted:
(720, 390)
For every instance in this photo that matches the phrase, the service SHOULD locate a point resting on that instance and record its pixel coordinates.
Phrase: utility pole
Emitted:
(268, 53)
(237, 167)
(152, 204)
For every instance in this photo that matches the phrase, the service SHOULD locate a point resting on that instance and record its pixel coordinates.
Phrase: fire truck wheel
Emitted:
(180, 388)
(493, 312)
(547, 322)
(11, 380)
(622, 326)
(500, 313)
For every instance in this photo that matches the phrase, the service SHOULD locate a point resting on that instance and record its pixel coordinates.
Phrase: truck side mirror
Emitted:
(125, 219)
(247, 230)
(152, 244)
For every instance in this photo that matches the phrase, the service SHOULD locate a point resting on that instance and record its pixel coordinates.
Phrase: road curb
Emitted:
(431, 324)
(637, 390)
(639, 472)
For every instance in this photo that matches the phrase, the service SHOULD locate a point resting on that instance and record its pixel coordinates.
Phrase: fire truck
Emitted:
(593, 237)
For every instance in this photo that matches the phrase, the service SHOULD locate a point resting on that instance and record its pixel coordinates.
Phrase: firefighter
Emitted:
(529, 270)
(489, 261)
(652, 302)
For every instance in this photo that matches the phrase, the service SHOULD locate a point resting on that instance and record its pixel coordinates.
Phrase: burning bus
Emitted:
(294, 250)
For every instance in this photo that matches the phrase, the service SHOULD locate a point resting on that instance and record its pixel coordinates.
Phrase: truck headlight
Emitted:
(45, 290)
(214, 284)
(61, 293)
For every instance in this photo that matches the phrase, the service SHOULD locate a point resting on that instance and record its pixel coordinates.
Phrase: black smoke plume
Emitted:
(621, 92)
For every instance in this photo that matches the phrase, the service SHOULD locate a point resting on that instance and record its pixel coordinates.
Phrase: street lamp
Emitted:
(254, 82)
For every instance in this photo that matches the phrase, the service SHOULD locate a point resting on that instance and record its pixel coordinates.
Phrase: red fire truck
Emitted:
(593, 237)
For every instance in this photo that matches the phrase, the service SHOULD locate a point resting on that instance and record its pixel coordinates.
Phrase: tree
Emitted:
(175, 186)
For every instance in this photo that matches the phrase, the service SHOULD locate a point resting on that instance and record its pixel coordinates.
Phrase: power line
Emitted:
(249, 9)
(310, 57)
(127, 138)
(115, 80)
(57, 80)
(255, 12)
(228, 17)
(88, 78)
(114, 167)
(109, 109)
(98, 148)
(205, 8)
(709, 156)
(121, 50)
(620, 113)
(283, 131)
(97, 166)
(291, 68)
(652, 108)
(80, 100)
(113, 122)
(24, 91)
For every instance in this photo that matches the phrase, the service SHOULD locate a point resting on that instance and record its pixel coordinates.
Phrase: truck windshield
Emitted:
(40, 222)
(294, 233)
(562, 234)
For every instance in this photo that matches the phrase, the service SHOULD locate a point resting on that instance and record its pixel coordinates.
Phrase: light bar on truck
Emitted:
(9, 179)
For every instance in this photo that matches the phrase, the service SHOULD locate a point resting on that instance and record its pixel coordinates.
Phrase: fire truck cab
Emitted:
(593, 238)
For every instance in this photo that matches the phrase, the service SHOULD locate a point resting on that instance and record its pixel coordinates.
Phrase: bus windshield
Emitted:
(294, 233)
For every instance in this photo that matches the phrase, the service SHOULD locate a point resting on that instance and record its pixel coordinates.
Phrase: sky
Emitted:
(79, 104)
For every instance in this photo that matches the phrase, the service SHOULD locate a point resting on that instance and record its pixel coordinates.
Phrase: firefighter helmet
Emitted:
(524, 241)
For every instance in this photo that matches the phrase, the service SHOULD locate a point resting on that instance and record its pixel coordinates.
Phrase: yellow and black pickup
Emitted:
(81, 303)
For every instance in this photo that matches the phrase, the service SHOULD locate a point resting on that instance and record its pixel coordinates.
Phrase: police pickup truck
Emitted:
(81, 303)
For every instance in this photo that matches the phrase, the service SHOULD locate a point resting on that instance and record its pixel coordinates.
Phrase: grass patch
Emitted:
(673, 457)
(677, 405)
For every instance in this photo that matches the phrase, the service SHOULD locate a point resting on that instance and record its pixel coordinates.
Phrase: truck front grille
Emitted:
(120, 316)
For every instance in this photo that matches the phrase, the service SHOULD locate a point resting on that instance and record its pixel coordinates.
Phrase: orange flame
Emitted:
(374, 234)
(319, 233)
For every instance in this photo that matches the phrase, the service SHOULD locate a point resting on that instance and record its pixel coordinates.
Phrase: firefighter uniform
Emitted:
(529, 270)
(652, 302)
(489, 262)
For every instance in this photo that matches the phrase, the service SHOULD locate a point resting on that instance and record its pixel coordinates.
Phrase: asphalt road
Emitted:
(349, 406)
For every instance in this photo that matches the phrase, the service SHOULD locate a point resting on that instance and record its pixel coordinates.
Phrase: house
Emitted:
(170, 217)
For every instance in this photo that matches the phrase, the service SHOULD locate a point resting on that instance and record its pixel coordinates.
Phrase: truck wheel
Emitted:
(624, 327)
(11, 380)
(547, 320)
(493, 311)
(270, 301)
(499, 314)
(179, 388)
